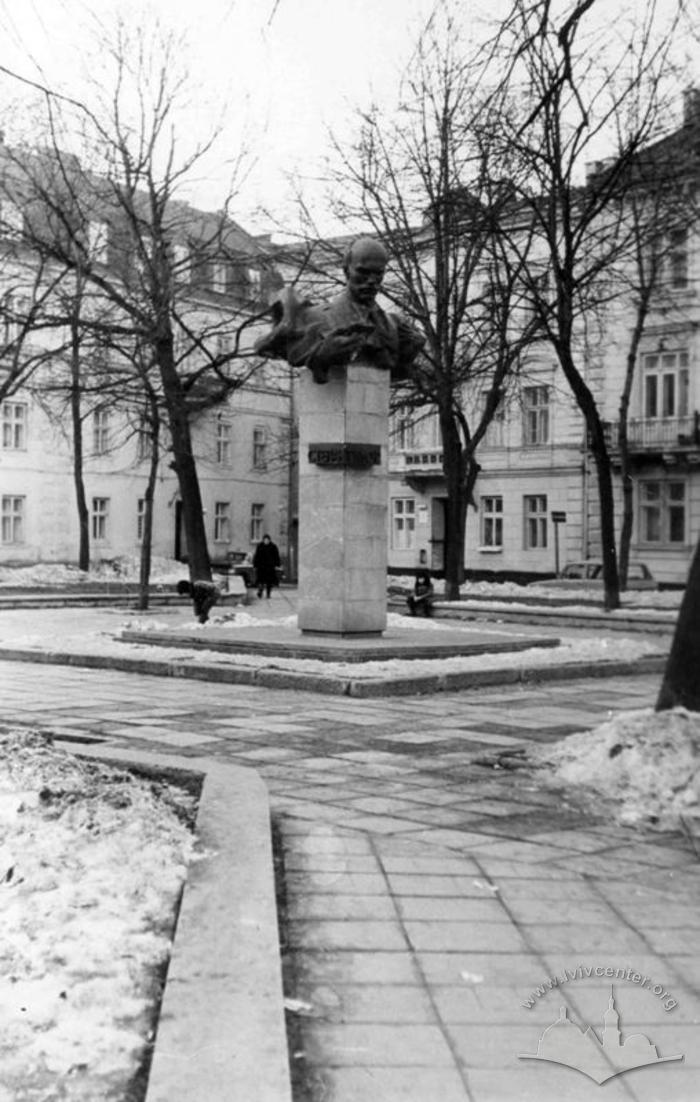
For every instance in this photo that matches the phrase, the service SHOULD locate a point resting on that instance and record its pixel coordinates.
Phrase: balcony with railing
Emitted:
(654, 435)
(417, 463)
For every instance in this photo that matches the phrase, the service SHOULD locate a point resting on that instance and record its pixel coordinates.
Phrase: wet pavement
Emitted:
(441, 907)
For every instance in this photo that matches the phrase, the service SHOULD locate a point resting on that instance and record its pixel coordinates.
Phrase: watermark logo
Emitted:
(579, 1047)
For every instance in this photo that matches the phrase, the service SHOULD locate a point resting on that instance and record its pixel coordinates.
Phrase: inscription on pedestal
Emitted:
(345, 456)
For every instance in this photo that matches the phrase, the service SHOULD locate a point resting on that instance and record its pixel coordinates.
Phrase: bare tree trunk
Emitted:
(601, 458)
(148, 497)
(623, 436)
(77, 427)
(455, 509)
(627, 521)
(607, 529)
(184, 462)
(681, 684)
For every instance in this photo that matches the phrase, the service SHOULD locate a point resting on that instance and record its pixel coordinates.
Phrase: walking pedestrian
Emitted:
(266, 561)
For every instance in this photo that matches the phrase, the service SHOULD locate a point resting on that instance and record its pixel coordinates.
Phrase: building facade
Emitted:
(241, 441)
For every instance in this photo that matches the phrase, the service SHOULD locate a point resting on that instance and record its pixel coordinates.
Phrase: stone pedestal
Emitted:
(343, 428)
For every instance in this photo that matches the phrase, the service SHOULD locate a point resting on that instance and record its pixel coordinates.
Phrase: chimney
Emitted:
(691, 106)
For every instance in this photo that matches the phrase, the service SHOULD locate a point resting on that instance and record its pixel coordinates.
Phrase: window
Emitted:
(13, 519)
(492, 521)
(535, 535)
(144, 441)
(405, 434)
(140, 518)
(100, 432)
(15, 309)
(536, 295)
(678, 258)
(98, 241)
(259, 448)
(14, 425)
(223, 443)
(180, 260)
(100, 513)
(256, 522)
(254, 283)
(431, 433)
(535, 415)
(222, 522)
(665, 380)
(219, 276)
(662, 511)
(403, 523)
(493, 437)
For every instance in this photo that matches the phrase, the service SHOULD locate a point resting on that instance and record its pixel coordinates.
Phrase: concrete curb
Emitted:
(491, 613)
(342, 686)
(221, 1032)
(103, 600)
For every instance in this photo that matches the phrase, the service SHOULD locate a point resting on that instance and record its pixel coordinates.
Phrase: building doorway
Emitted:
(437, 534)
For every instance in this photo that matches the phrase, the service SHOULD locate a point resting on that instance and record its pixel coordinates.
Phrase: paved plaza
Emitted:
(431, 890)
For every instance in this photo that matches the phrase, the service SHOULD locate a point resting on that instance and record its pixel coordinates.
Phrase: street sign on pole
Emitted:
(558, 518)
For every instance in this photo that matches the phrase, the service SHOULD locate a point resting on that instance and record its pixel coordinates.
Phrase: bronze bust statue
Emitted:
(349, 328)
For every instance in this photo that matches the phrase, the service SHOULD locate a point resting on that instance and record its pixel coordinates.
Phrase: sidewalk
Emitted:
(430, 892)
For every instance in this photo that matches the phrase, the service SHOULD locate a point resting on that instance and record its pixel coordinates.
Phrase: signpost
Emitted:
(557, 519)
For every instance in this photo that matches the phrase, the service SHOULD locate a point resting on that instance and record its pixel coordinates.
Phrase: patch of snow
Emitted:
(572, 651)
(125, 569)
(91, 867)
(644, 766)
(510, 591)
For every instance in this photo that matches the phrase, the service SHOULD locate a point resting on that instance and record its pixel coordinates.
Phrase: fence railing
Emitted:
(655, 432)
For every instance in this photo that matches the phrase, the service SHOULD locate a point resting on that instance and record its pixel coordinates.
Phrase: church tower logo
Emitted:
(564, 1042)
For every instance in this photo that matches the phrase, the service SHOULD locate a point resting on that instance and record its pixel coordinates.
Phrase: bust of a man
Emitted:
(350, 328)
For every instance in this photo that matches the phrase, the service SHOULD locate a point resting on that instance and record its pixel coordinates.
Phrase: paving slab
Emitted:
(428, 959)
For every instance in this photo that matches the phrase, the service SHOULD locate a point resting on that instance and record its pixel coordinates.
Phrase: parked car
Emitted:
(588, 573)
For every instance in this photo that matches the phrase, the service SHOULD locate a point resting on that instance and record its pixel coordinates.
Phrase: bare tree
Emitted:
(567, 90)
(656, 219)
(432, 184)
(183, 284)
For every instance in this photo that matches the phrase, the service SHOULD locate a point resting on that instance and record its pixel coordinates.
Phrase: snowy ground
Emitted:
(643, 767)
(510, 591)
(98, 631)
(125, 569)
(571, 650)
(167, 572)
(68, 630)
(91, 866)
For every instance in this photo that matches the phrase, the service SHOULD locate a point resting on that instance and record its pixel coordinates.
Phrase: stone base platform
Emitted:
(282, 641)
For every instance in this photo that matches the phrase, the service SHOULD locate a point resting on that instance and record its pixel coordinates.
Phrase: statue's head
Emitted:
(364, 266)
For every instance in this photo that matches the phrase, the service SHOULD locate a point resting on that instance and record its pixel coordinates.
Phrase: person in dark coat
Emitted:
(204, 596)
(420, 602)
(266, 561)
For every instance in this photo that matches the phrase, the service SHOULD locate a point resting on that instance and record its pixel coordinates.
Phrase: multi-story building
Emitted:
(241, 444)
(536, 495)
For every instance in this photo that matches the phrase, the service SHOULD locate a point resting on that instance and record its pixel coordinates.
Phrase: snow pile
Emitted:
(92, 862)
(644, 766)
(124, 569)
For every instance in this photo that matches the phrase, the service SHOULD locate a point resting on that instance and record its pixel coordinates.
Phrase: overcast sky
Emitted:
(288, 70)
(284, 70)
